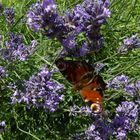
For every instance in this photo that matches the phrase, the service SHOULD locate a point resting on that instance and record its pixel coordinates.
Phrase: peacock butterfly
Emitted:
(84, 78)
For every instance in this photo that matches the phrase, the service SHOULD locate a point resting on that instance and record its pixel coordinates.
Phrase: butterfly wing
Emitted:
(83, 78)
(93, 94)
(78, 73)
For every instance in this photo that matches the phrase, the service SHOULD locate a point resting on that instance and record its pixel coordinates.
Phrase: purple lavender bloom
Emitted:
(137, 84)
(42, 15)
(118, 82)
(126, 117)
(23, 52)
(92, 133)
(99, 130)
(86, 18)
(41, 91)
(49, 6)
(123, 123)
(34, 16)
(9, 14)
(2, 72)
(75, 110)
(91, 14)
(129, 44)
(16, 50)
(131, 89)
(69, 43)
(2, 126)
(99, 66)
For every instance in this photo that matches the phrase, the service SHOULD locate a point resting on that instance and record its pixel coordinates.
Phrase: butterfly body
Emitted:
(84, 79)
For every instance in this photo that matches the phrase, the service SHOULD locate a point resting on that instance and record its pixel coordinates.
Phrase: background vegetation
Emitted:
(24, 123)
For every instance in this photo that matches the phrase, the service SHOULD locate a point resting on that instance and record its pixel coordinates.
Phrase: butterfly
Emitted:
(84, 79)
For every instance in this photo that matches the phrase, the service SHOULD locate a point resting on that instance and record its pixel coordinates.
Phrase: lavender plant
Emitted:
(9, 14)
(15, 49)
(123, 123)
(34, 106)
(129, 44)
(40, 91)
(86, 18)
(2, 126)
(2, 71)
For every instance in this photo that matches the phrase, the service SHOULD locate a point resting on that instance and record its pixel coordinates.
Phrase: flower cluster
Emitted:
(86, 19)
(98, 130)
(125, 120)
(9, 14)
(98, 67)
(75, 110)
(2, 72)
(118, 82)
(122, 81)
(41, 91)
(34, 17)
(123, 123)
(2, 126)
(15, 49)
(129, 44)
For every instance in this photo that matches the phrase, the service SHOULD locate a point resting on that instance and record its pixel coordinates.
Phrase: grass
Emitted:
(25, 124)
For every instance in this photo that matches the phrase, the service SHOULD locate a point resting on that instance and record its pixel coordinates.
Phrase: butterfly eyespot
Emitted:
(96, 108)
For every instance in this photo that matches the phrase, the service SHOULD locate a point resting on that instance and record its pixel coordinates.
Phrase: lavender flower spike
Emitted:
(126, 117)
(2, 71)
(34, 16)
(16, 49)
(49, 6)
(41, 91)
(129, 44)
(9, 14)
(2, 126)
(118, 81)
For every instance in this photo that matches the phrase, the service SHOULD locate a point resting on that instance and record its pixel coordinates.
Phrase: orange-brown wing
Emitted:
(93, 94)
(84, 79)
(78, 73)
(94, 99)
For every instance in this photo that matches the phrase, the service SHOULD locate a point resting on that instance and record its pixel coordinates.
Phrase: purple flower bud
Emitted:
(131, 89)
(2, 72)
(99, 67)
(98, 130)
(129, 44)
(87, 18)
(34, 17)
(2, 126)
(75, 110)
(49, 6)
(40, 91)
(137, 84)
(9, 14)
(118, 81)
(16, 50)
(69, 43)
(126, 116)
